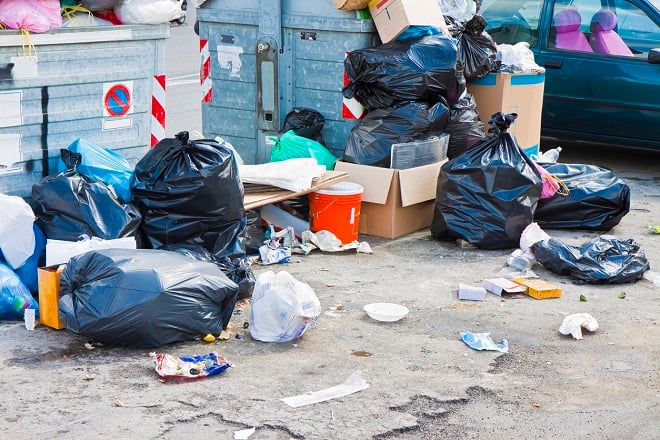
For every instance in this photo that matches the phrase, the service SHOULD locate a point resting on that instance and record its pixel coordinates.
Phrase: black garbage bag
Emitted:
(305, 122)
(144, 297)
(476, 49)
(597, 199)
(253, 236)
(487, 195)
(465, 128)
(189, 191)
(69, 205)
(238, 269)
(370, 142)
(406, 70)
(603, 260)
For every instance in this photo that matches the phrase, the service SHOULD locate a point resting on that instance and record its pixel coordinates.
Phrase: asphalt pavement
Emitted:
(423, 381)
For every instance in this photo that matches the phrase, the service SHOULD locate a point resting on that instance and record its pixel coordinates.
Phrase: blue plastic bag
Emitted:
(98, 163)
(14, 296)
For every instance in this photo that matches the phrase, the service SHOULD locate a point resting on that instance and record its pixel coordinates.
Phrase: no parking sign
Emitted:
(117, 99)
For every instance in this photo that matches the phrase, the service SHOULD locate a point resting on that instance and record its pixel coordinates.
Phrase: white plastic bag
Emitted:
(148, 11)
(518, 56)
(283, 308)
(16, 234)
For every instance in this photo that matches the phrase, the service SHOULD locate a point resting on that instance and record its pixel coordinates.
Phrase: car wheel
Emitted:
(196, 27)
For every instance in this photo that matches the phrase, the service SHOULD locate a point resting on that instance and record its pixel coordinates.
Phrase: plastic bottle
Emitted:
(550, 156)
(29, 317)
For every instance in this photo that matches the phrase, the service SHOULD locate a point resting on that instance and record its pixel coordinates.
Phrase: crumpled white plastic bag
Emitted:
(517, 55)
(573, 324)
(17, 239)
(283, 308)
(148, 11)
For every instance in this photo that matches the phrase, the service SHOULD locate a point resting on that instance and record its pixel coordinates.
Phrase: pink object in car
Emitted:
(567, 24)
(603, 37)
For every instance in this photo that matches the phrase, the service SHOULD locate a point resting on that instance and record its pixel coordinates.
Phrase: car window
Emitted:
(622, 29)
(512, 21)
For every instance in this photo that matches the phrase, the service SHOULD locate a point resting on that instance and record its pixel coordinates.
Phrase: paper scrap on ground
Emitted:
(326, 241)
(483, 341)
(290, 174)
(353, 384)
(243, 434)
(573, 324)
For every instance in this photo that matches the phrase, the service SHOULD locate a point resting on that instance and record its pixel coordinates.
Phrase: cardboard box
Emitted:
(393, 17)
(49, 288)
(394, 202)
(471, 293)
(539, 289)
(498, 286)
(520, 93)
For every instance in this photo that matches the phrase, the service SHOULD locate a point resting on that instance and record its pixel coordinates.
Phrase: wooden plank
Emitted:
(254, 200)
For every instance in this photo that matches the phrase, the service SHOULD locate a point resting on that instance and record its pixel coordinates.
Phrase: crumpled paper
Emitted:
(573, 324)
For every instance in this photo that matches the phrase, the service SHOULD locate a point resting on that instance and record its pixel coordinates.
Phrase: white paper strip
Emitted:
(353, 384)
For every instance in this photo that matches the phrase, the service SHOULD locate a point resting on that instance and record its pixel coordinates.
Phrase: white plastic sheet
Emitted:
(16, 234)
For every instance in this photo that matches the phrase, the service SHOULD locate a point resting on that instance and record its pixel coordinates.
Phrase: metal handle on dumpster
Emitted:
(267, 85)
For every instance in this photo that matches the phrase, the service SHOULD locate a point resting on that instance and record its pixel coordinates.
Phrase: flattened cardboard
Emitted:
(520, 93)
(394, 202)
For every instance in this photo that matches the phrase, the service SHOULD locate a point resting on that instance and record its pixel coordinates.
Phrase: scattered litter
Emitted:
(536, 405)
(243, 434)
(90, 376)
(326, 241)
(483, 341)
(361, 353)
(89, 346)
(583, 298)
(654, 229)
(353, 384)
(511, 272)
(471, 293)
(29, 318)
(117, 402)
(573, 324)
(224, 335)
(521, 259)
(274, 253)
(386, 312)
(189, 367)
(209, 338)
(499, 286)
(622, 295)
(653, 277)
(539, 289)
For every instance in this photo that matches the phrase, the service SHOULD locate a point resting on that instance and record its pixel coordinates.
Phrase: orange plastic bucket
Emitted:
(337, 209)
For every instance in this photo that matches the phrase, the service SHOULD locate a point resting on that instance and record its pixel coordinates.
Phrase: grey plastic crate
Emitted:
(269, 56)
(56, 92)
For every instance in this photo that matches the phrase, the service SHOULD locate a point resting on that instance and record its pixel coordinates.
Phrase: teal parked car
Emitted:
(602, 61)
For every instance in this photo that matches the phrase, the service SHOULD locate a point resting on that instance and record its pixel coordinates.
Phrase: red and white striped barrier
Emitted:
(351, 108)
(158, 109)
(205, 71)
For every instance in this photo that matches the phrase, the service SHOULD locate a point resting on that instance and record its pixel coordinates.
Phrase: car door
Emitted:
(602, 97)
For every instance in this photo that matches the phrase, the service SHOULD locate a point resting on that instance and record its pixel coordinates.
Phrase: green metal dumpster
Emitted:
(104, 84)
(262, 58)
